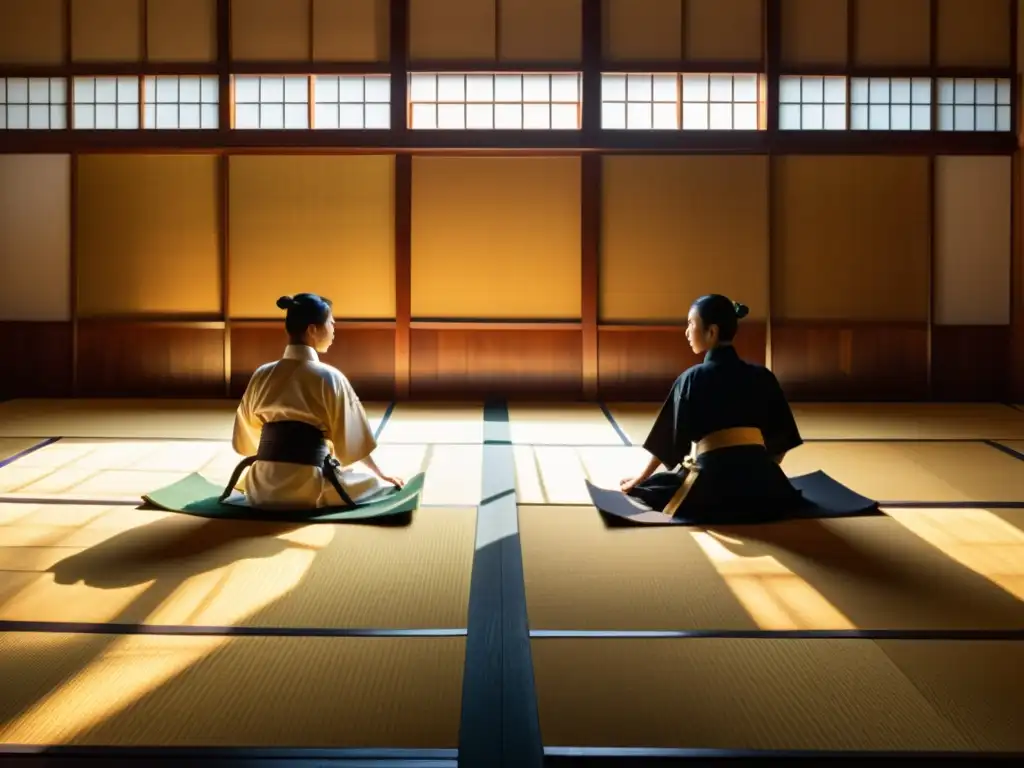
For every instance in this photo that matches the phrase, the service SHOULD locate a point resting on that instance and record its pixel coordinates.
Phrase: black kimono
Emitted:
(737, 484)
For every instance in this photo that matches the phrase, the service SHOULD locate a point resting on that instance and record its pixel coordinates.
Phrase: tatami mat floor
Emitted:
(507, 615)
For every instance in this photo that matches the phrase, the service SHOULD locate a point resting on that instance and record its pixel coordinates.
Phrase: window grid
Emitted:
(271, 102)
(474, 101)
(720, 102)
(974, 104)
(495, 101)
(180, 103)
(33, 103)
(689, 101)
(891, 104)
(106, 103)
(351, 102)
(812, 103)
(640, 101)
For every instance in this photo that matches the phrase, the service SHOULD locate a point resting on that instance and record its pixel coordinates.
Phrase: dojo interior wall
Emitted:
(869, 275)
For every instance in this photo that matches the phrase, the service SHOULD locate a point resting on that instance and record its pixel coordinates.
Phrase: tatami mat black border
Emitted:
(384, 420)
(1005, 449)
(95, 628)
(208, 756)
(500, 723)
(27, 451)
(615, 425)
(966, 635)
(567, 756)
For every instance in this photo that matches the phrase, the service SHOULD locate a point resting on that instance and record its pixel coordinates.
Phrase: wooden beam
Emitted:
(772, 62)
(512, 142)
(399, 47)
(590, 197)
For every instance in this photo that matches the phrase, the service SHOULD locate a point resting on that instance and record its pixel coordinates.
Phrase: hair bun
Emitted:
(285, 302)
(741, 309)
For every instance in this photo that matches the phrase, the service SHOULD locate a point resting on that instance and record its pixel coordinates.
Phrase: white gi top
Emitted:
(301, 388)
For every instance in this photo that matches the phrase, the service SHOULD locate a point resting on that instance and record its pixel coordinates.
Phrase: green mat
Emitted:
(195, 495)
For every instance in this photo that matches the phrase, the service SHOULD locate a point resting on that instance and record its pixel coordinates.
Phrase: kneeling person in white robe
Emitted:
(301, 424)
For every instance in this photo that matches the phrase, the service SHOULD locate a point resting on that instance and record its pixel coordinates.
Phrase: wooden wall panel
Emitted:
(851, 360)
(351, 30)
(270, 30)
(642, 363)
(724, 30)
(540, 30)
(468, 363)
(496, 238)
(322, 224)
(32, 32)
(814, 31)
(106, 30)
(634, 31)
(677, 227)
(974, 33)
(892, 33)
(970, 362)
(851, 238)
(181, 30)
(452, 30)
(35, 237)
(37, 359)
(137, 359)
(973, 240)
(365, 355)
(147, 235)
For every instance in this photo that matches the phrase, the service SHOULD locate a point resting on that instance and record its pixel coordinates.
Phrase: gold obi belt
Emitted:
(723, 438)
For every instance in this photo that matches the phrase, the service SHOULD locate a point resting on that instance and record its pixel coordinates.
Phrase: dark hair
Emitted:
(304, 310)
(715, 309)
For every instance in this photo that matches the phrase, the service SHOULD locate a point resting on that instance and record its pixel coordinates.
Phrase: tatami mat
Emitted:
(549, 474)
(909, 421)
(434, 423)
(860, 573)
(88, 469)
(220, 691)
(12, 446)
(733, 694)
(868, 421)
(972, 685)
(561, 424)
(454, 473)
(635, 419)
(1013, 445)
(111, 418)
(939, 472)
(122, 565)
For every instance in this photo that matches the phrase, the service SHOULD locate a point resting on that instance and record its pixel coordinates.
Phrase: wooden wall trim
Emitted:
(932, 257)
(333, 142)
(339, 323)
(829, 360)
(495, 325)
(590, 198)
(141, 68)
(403, 273)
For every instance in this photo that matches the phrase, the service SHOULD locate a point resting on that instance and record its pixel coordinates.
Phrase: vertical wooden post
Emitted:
(399, 57)
(590, 198)
(772, 61)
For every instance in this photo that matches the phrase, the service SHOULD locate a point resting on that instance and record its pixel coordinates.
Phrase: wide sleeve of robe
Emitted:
(778, 425)
(245, 435)
(671, 437)
(349, 429)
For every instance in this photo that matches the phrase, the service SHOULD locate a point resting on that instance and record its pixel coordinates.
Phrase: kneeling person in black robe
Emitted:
(726, 426)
